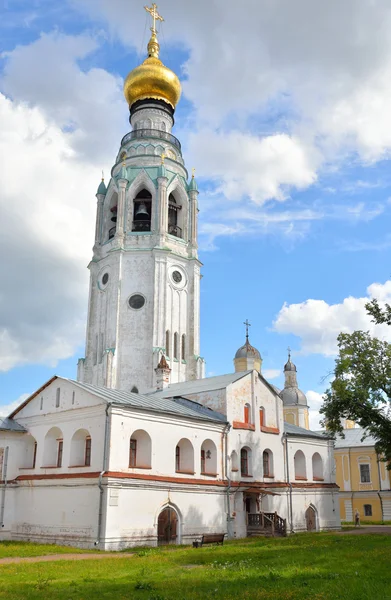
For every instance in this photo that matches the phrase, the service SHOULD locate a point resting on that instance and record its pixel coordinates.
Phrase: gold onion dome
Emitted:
(152, 79)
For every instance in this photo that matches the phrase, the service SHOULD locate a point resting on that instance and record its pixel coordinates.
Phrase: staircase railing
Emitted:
(279, 522)
(270, 522)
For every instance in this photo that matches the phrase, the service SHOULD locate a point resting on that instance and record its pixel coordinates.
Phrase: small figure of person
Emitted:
(357, 518)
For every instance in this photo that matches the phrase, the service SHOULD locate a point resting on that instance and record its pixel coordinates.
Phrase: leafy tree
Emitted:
(380, 315)
(361, 389)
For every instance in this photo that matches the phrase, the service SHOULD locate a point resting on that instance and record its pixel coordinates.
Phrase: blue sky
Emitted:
(284, 114)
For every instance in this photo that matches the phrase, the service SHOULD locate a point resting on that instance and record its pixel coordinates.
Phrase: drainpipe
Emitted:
(378, 493)
(100, 482)
(5, 465)
(229, 518)
(284, 435)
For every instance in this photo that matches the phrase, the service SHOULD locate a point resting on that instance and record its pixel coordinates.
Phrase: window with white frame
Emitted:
(365, 473)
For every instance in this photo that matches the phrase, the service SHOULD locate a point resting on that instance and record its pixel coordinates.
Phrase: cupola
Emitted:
(247, 357)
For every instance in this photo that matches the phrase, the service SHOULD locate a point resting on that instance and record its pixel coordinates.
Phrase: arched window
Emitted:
(53, 448)
(245, 462)
(300, 466)
(262, 422)
(142, 210)
(184, 457)
(81, 449)
(183, 347)
(317, 467)
(247, 413)
(140, 450)
(267, 461)
(208, 458)
(173, 217)
(134, 390)
(234, 461)
(167, 343)
(163, 126)
(30, 454)
(112, 216)
(175, 345)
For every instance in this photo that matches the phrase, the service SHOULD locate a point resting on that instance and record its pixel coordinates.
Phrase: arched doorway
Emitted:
(310, 517)
(167, 527)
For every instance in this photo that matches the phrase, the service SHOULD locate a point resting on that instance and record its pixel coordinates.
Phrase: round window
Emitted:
(105, 279)
(136, 301)
(177, 277)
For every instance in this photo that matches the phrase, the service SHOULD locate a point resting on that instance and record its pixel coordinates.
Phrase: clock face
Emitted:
(177, 277)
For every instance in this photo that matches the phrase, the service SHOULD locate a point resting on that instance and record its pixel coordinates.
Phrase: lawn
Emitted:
(305, 566)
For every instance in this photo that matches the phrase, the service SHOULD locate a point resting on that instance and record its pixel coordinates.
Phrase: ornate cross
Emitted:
(163, 156)
(289, 353)
(193, 172)
(247, 324)
(154, 14)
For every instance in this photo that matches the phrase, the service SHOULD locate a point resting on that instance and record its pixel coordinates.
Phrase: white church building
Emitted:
(142, 448)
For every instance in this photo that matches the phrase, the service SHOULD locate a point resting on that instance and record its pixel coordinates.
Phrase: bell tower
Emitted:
(144, 300)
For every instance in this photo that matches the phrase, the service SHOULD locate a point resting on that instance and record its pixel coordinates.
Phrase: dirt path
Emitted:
(57, 557)
(365, 529)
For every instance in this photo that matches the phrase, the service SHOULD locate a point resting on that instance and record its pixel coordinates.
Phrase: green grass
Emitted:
(302, 567)
(24, 549)
(364, 522)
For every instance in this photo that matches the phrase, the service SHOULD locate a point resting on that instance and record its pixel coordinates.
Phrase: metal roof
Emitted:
(153, 402)
(301, 432)
(354, 439)
(11, 425)
(196, 386)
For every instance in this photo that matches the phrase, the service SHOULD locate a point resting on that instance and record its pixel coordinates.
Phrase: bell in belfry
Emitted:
(141, 213)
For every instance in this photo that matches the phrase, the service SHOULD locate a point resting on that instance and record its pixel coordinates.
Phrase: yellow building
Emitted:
(365, 483)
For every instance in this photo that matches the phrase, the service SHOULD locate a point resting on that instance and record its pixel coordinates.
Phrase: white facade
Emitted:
(106, 502)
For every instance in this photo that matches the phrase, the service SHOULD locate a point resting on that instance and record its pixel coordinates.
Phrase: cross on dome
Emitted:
(155, 15)
(247, 324)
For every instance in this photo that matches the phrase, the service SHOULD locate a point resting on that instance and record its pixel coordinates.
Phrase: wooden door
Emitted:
(167, 527)
(310, 518)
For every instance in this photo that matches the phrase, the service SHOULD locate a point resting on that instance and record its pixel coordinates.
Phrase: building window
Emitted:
(247, 415)
(244, 461)
(300, 465)
(58, 391)
(176, 345)
(365, 474)
(41, 404)
(133, 453)
(183, 347)
(167, 343)
(261, 417)
(177, 458)
(266, 464)
(368, 510)
(134, 390)
(59, 452)
(203, 464)
(73, 397)
(34, 455)
(87, 455)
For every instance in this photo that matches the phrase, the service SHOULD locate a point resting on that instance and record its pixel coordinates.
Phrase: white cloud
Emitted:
(7, 409)
(50, 173)
(315, 401)
(271, 373)
(318, 323)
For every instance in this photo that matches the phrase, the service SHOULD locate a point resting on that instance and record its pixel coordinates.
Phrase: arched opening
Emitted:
(247, 413)
(112, 216)
(267, 462)
(142, 211)
(53, 448)
(30, 453)
(167, 343)
(167, 526)
(81, 449)
(173, 217)
(134, 390)
(262, 420)
(317, 467)
(245, 462)
(208, 458)
(183, 347)
(310, 518)
(184, 457)
(300, 466)
(176, 345)
(234, 461)
(140, 450)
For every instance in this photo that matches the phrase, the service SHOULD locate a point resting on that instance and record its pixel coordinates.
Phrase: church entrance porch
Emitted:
(167, 527)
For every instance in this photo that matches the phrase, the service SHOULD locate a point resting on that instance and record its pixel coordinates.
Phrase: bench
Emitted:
(210, 538)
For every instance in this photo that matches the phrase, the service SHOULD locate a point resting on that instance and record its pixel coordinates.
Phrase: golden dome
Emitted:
(152, 79)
